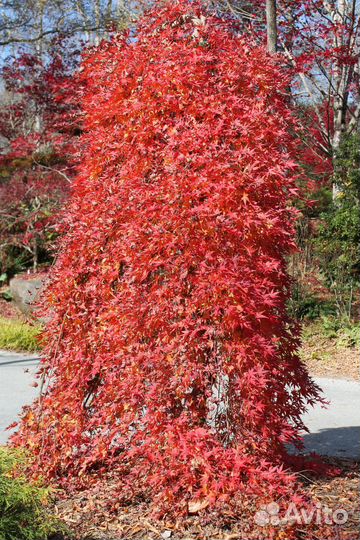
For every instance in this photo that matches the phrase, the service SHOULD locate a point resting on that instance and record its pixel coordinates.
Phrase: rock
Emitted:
(25, 292)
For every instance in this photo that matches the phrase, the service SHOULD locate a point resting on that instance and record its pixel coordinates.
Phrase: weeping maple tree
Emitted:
(171, 360)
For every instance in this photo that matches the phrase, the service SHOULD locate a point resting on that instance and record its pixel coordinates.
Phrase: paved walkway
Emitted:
(16, 375)
(334, 431)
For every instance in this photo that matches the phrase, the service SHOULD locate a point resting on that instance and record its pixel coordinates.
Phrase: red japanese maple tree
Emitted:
(171, 359)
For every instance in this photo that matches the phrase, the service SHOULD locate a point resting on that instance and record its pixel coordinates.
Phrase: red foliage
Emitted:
(37, 159)
(171, 360)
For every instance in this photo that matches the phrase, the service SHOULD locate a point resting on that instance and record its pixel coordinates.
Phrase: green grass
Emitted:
(16, 335)
(24, 506)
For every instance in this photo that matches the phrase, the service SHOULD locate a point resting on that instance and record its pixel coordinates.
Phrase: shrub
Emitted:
(17, 335)
(23, 514)
(346, 333)
(305, 305)
(171, 359)
(349, 336)
(340, 331)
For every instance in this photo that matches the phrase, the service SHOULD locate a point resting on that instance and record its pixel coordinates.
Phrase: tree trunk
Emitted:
(97, 12)
(271, 26)
(340, 74)
(35, 254)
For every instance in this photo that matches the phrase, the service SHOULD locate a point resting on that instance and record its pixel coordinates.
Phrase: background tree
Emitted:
(320, 40)
(325, 39)
(37, 22)
(37, 162)
(319, 43)
(41, 45)
(337, 242)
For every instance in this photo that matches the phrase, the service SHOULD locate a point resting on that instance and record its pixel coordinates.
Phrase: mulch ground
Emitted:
(88, 515)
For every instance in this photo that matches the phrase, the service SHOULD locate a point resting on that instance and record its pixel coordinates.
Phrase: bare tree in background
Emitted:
(326, 54)
(38, 21)
(321, 39)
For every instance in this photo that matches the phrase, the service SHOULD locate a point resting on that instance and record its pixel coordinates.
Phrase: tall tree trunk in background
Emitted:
(271, 26)
(121, 14)
(340, 83)
(39, 47)
(97, 12)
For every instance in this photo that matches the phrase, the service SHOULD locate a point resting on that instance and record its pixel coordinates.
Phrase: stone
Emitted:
(25, 292)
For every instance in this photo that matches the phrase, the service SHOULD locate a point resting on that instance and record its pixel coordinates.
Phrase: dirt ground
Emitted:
(325, 357)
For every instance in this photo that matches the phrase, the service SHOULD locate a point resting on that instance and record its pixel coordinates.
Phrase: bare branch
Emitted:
(61, 173)
(49, 32)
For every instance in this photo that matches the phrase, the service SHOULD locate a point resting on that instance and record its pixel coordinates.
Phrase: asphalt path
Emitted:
(335, 431)
(16, 376)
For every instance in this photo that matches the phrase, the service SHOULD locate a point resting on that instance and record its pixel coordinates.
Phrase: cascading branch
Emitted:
(171, 360)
